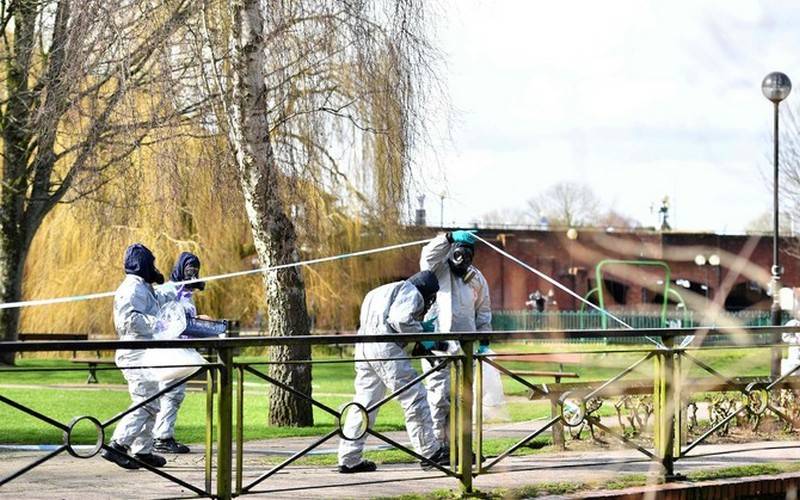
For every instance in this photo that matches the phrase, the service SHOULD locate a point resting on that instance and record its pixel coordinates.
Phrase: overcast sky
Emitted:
(639, 99)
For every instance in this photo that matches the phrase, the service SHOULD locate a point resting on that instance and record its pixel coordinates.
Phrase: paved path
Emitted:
(94, 478)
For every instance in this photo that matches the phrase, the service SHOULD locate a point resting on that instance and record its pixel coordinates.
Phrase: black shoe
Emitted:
(169, 445)
(363, 466)
(441, 457)
(151, 459)
(118, 454)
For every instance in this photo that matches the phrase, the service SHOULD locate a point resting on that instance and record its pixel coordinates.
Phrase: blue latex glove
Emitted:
(428, 344)
(483, 349)
(464, 237)
(429, 326)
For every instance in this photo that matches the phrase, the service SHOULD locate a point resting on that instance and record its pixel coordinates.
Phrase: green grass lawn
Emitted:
(739, 362)
(20, 428)
(332, 385)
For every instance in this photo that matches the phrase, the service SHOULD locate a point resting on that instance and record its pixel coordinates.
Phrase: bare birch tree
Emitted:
(82, 84)
(566, 204)
(320, 99)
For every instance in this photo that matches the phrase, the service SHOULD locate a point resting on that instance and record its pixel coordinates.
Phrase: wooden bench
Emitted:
(93, 364)
(23, 336)
(557, 375)
(690, 386)
(561, 359)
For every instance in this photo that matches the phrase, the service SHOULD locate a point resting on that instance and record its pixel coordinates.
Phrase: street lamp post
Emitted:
(713, 260)
(441, 209)
(775, 87)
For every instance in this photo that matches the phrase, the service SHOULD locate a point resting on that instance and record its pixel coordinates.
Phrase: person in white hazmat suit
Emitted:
(793, 339)
(394, 308)
(186, 268)
(462, 305)
(136, 308)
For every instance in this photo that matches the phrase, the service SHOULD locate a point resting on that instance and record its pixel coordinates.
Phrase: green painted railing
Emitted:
(668, 382)
(593, 320)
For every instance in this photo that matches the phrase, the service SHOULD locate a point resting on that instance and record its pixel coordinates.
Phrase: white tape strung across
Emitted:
(560, 286)
(77, 298)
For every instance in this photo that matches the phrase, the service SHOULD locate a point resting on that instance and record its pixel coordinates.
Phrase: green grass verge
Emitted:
(621, 482)
(744, 471)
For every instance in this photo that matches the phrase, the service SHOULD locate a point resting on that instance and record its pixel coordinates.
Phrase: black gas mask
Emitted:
(191, 272)
(460, 259)
(187, 268)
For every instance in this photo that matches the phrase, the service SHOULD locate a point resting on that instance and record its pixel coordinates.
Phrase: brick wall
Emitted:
(738, 281)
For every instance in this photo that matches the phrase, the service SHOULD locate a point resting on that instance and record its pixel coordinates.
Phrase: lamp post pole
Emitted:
(775, 87)
(441, 210)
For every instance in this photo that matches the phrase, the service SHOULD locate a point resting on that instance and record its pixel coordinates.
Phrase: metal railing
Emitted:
(516, 320)
(668, 382)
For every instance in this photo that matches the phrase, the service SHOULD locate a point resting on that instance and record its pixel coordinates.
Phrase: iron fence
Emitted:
(574, 404)
(515, 320)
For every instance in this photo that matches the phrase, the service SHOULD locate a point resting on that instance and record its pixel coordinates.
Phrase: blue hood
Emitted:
(427, 284)
(140, 261)
(187, 259)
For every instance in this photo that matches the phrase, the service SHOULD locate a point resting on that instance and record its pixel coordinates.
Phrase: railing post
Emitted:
(239, 428)
(225, 411)
(557, 429)
(664, 406)
(209, 452)
(455, 382)
(479, 415)
(681, 407)
(465, 438)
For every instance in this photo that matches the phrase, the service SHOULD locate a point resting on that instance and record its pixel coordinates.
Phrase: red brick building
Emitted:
(731, 270)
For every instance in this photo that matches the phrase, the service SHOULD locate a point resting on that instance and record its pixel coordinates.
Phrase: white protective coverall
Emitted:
(136, 307)
(460, 307)
(170, 402)
(793, 339)
(394, 308)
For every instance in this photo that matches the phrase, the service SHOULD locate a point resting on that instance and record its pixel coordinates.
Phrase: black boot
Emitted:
(363, 466)
(169, 445)
(118, 454)
(151, 459)
(441, 457)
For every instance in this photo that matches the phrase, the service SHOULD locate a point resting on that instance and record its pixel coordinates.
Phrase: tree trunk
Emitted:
(287, 316)
(11, 269)
(273, 232)
(14, 242)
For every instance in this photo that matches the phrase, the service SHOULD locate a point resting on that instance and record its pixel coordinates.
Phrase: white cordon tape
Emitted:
(559, 285)
(77, 298)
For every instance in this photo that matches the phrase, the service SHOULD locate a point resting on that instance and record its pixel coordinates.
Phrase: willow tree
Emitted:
(77, 85)
(316, 97)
